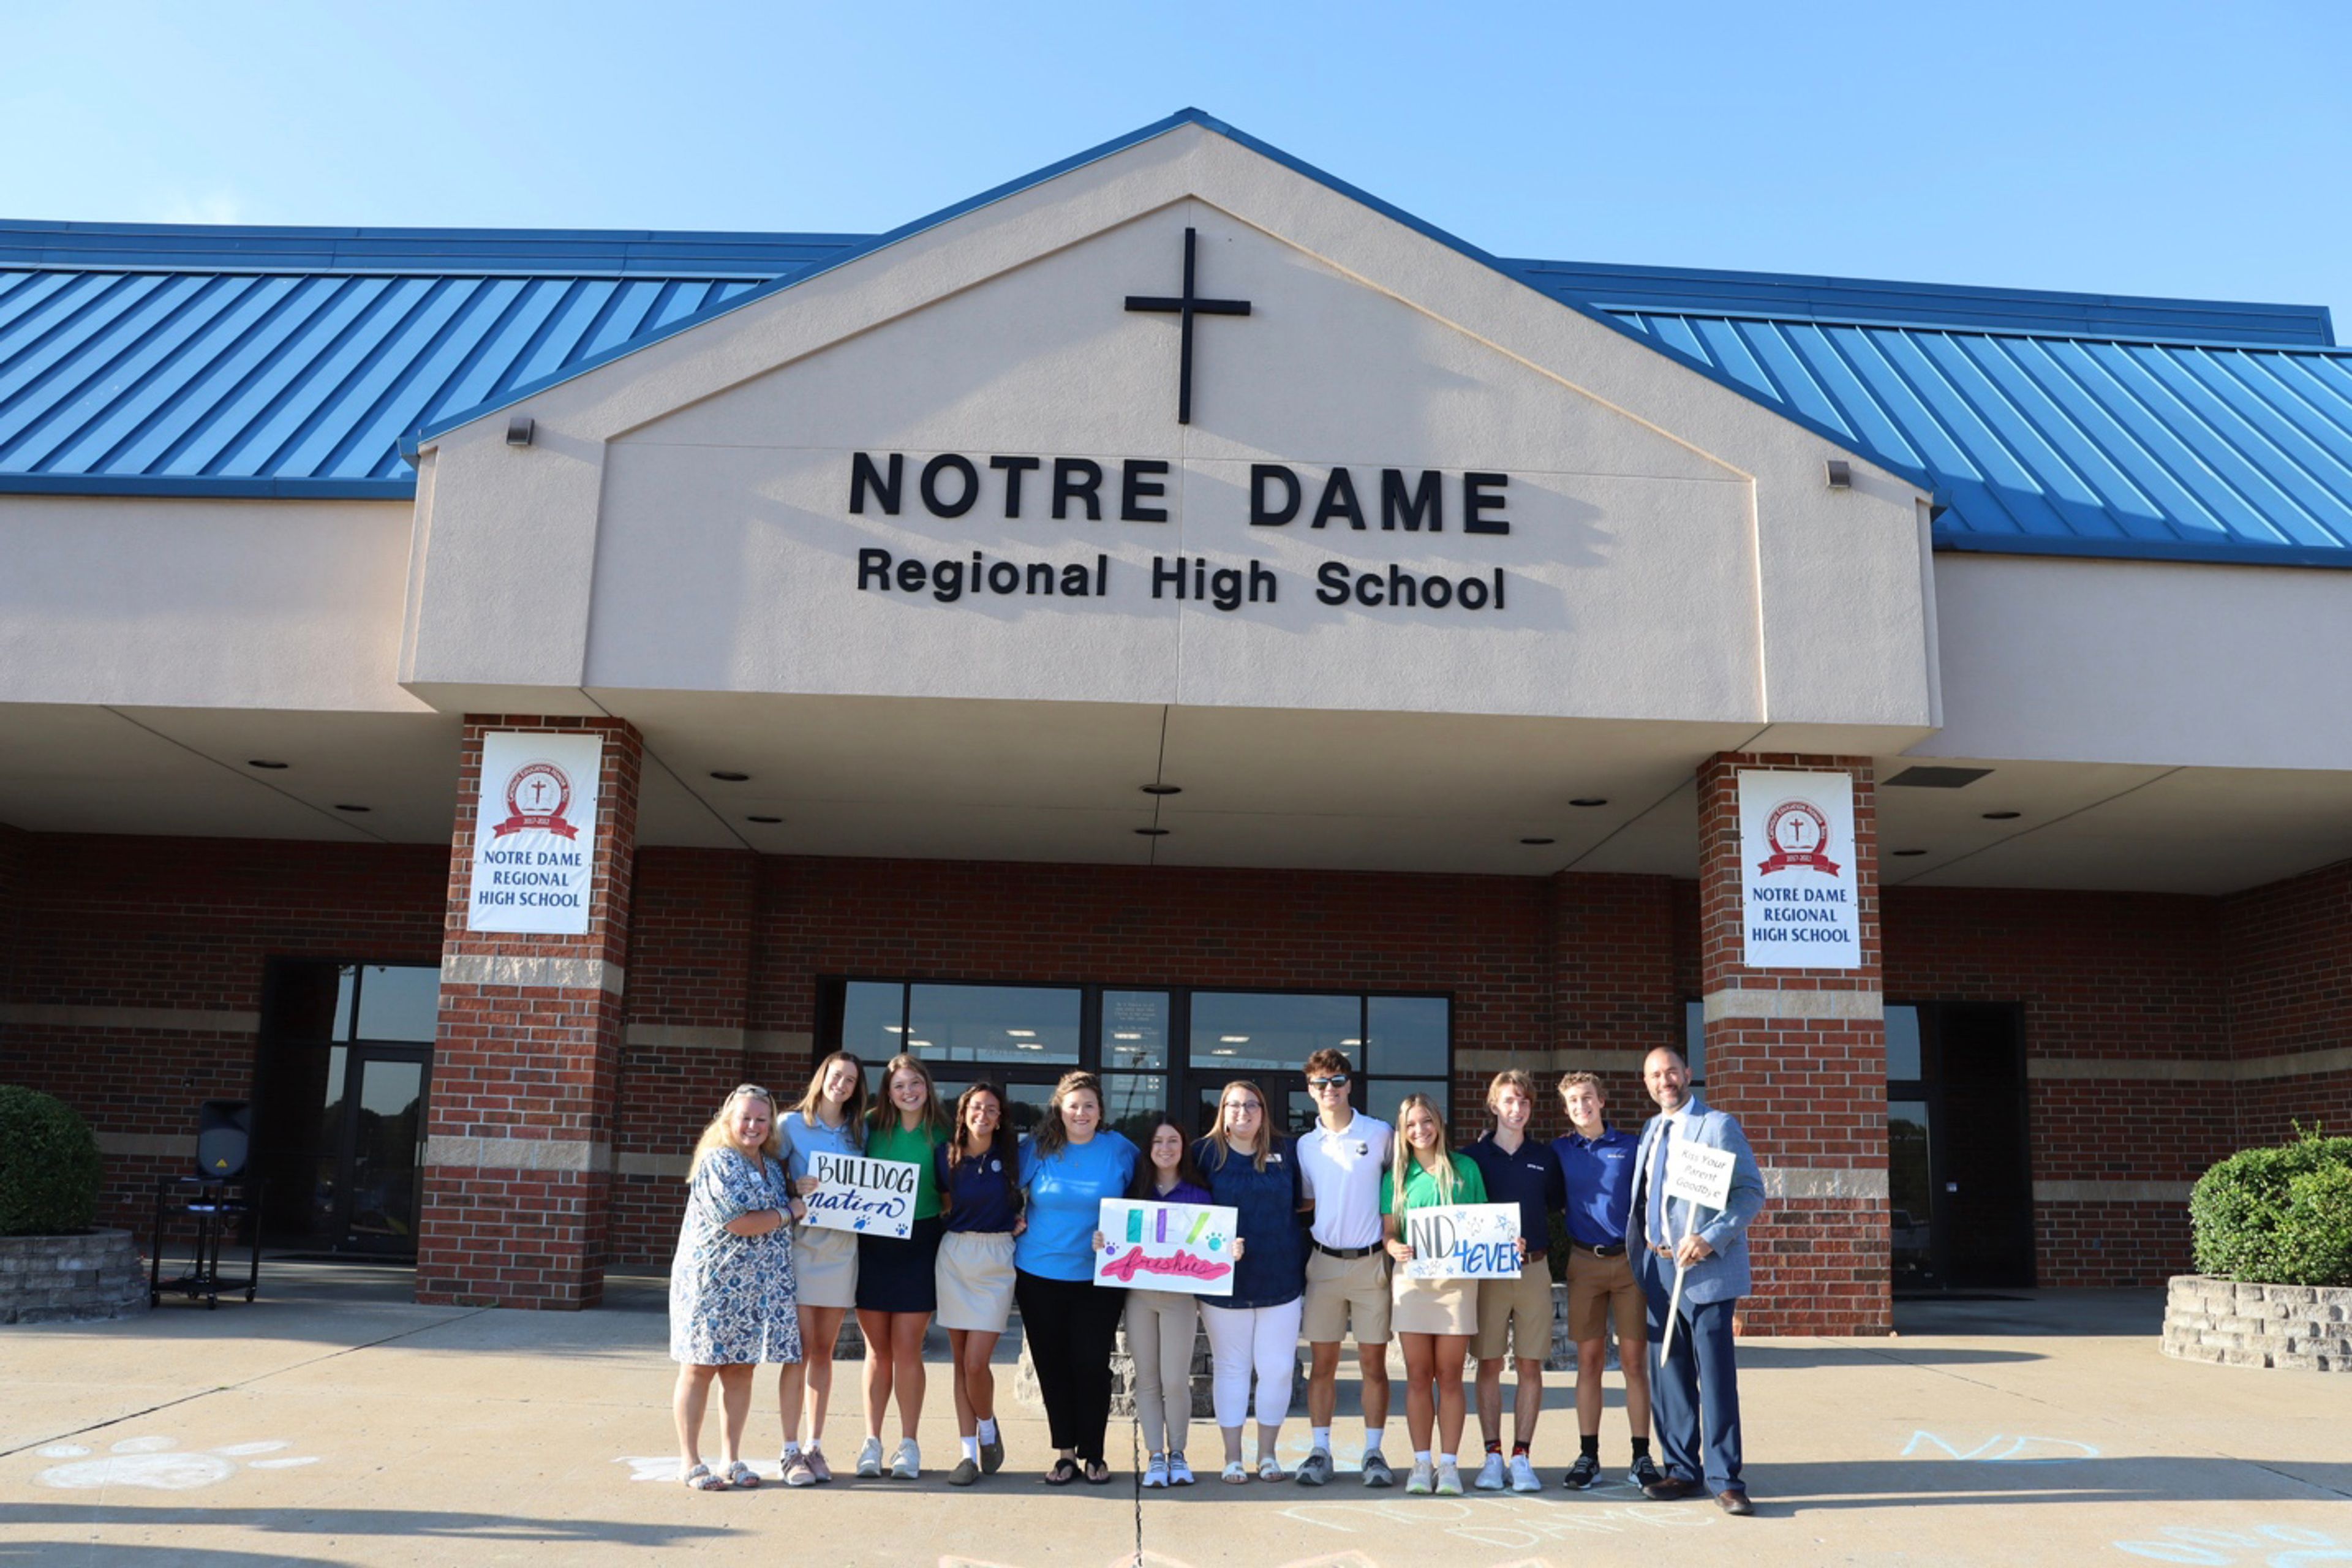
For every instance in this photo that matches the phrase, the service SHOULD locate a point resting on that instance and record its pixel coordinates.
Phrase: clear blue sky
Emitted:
(2164, 148)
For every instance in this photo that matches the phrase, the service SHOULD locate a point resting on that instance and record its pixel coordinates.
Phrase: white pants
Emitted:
(1245, 1340)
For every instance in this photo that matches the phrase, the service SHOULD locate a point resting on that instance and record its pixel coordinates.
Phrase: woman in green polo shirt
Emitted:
(1432, 1319)
(897, 1281)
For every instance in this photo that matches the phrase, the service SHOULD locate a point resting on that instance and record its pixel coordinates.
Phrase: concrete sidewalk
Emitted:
(337, 1423)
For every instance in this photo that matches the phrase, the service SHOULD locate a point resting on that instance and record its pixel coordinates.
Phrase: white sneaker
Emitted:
(1179, 1473)
(908, 1465)
(1449, 1479)
(1490, 1474)
(1418, 1484)
(1155, 1474)
(869, 1459)
(1523, 1475)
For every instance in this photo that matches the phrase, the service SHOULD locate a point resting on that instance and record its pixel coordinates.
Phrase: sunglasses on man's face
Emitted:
(1319, 1084)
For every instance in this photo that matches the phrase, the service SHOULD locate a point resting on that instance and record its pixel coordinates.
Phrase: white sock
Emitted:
(1323, 1439)
(792, 1452)
(1420, 1455)
(971, 1450)
(988, 1428)
(1373, 1439)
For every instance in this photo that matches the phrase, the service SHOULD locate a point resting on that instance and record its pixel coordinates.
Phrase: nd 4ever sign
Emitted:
(1799, 906)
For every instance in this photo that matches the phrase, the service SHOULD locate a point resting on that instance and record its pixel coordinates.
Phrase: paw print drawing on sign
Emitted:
(161, 1463)
(2261, 1546)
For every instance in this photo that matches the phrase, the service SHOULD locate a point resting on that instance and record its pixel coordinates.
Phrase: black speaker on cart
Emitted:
(224, 1139)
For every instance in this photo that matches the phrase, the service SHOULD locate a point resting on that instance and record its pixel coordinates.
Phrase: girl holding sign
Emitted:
(979, 1175)
(1255, 1172)
(1068, 1166)
(830, 1118)
(1160, 1324)
(898, 1280)
(1434, 1318)
(731, 1286)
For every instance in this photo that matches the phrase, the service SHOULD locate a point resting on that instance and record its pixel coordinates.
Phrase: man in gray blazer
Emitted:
(1697, 1387)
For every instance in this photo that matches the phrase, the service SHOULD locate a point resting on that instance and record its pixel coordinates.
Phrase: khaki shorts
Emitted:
(1342, 1292)
(1436, 1306)
(1599, 1289)
(1515, 1312)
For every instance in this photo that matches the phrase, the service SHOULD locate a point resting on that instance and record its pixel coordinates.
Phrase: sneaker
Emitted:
(1422, 1480)
(1449, 1479)
(1179, 1474)
(966, 1472)
(1583, 1473)
(908, 1464)
(869, 1459)
(816, 1457)
(798, 1471)
(991, 1456)
(1316, 1470)
(1490, 1474)
(1155, 1474)
(1643, 1473)
(1376, 1469)
(1523, 1475)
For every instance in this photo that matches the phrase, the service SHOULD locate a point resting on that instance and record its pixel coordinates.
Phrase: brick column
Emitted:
(518, 1156)
(1800, 1056)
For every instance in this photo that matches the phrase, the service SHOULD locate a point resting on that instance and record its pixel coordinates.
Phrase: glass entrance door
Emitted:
(382, 1151)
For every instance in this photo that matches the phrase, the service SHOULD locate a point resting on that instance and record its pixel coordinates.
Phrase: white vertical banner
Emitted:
(1800, 906)
(535, 834)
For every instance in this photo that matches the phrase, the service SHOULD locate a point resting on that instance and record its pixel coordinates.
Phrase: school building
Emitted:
(1163, 614)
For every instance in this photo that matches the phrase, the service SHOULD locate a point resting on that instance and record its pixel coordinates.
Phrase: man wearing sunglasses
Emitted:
(1343, 1159)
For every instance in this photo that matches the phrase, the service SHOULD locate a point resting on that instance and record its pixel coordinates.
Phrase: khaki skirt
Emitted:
(975, 1272)
(1433, 1306)
(824, 1267)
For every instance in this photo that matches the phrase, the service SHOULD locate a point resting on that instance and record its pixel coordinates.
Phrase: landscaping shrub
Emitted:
(2278, 1217)
(49, 1167)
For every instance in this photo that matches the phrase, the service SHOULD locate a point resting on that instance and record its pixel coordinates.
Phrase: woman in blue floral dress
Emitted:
(731, 1287)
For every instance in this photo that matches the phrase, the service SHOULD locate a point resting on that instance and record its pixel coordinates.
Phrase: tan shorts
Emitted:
(1436, 1306)
(1344, 1293)
(975, 1280)
(1599, 1289)
(824, 1267)
(1515, 1312)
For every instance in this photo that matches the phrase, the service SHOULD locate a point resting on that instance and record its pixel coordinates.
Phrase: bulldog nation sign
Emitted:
(535, 834)
(1798, 896)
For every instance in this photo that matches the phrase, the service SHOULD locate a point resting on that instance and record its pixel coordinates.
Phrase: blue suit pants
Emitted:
(1695, 1395)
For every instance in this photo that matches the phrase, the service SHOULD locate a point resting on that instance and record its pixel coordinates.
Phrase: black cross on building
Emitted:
(1186, 306)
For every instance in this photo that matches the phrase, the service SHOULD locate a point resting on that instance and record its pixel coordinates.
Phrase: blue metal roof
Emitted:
(208, 359)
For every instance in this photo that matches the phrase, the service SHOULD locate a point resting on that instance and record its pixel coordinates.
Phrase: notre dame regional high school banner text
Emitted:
(1797, 885)
(535, 834)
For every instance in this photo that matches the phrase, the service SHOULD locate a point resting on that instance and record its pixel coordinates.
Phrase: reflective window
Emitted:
(1134, 1030)
(1009, 1023)
(1407, 1035)
(399, 1001)
(1903, 1043)
(1694, 1041)
(873, 1018)
(1132, 1104)
(1262, 1031)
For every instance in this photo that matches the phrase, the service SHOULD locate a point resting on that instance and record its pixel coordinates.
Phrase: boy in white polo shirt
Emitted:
(1343, 1159)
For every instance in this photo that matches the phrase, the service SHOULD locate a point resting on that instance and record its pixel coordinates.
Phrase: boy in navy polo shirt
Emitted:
(1597, 1167)
(1515, 1315)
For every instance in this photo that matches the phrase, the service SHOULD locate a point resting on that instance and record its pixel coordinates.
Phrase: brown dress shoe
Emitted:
(1732, 1500)
(1674, 1488)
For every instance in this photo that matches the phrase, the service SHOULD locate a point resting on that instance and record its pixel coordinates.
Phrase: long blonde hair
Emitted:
(1402, 1162)
(716, 1137)
(882, 1116)
(853, 1109)
(1264, 1125)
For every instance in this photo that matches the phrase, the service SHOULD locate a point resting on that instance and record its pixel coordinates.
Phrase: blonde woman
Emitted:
(829, 1120)
(1253, 1171)
(731, 1286)
(1432, 1319)
(897, 1277)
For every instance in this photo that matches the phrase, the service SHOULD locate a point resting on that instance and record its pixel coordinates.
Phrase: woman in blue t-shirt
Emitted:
(1255, 1170)
(979, 1175)
(1068, 1166)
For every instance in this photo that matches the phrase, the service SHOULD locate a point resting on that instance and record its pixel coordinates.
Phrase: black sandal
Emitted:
(1065, 1471)
(1098, 1473)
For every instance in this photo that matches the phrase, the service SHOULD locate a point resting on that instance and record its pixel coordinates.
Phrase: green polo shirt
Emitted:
(1421, 1185)
(920, 1145)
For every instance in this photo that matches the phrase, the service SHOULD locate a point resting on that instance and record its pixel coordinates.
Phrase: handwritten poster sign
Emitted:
(535, 834)
(874, 1197)
(1167, 1246)
(1698, 1175)
(1799, 903)
(1463, 1241)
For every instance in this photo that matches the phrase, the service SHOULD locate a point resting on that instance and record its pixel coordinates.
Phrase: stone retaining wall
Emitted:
(2300, 1327)
(70, 1278)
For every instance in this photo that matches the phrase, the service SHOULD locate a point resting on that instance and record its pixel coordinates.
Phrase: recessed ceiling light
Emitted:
(1235, 1040)
(1152, 832)
(1352, 1042)
(1905, 854)
(919, 1045)
(723, 776)
(356, 809)
(1539, 841)
(1220, 1052)
(2002, 815)
(1589, 800)
(268, 766)
(1022, 1033)
(769, 821)
(1031, 1045)
(893, 1028)
(1163, 789)
(1126, 1037)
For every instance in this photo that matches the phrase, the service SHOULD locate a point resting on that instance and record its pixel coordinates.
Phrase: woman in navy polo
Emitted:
(1255, 1170)
(979, 1175)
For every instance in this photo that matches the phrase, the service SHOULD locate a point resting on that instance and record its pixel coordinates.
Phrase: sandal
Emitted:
(1098, 1473)
(742, 1477)
(1065, 1471)
(1269, 1468)
(1236, 1474)
(699, 1479)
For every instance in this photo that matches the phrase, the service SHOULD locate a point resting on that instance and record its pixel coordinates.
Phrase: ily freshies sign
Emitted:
(1799, 906)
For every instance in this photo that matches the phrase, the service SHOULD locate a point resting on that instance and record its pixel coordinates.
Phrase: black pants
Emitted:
(1071, 1325)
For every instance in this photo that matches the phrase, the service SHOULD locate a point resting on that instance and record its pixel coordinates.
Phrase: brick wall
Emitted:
(2290, 980)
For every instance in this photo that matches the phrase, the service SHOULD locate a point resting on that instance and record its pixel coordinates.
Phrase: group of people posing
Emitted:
(1000, 1220)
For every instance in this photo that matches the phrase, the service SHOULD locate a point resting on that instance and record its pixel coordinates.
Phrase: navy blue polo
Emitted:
(980, 1192)
(1527, 1176)
(1598, 1175)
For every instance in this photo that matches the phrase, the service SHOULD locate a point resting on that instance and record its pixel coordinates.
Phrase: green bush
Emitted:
(2278, 1217)
(48, 1165)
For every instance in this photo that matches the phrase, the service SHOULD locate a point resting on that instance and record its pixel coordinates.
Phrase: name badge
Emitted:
(1363, 1149)
(1274, 1159)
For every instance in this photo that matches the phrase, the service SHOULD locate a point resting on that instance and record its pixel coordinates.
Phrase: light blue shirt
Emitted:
(1066, 1194)
(804, 1137)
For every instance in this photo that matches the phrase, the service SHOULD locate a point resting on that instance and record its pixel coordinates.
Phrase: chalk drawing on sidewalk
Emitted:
(1509, 1523)
(2004, 1449)
(2270, 1545)
(161, 1463)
